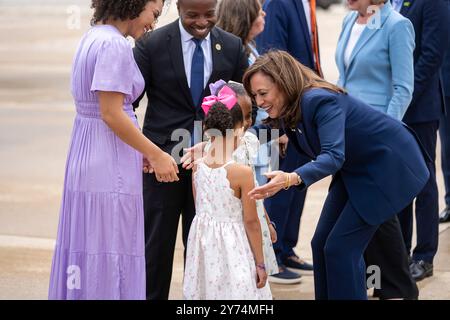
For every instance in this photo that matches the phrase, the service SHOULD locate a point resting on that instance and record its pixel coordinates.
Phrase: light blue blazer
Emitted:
(381, 66)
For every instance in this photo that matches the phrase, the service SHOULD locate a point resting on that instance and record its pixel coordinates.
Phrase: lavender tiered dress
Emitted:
(99, 250)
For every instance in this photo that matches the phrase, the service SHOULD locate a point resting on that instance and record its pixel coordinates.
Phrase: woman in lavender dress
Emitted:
(99, 250)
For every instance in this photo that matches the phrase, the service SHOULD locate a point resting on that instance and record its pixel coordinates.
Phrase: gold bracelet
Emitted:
(288, 182)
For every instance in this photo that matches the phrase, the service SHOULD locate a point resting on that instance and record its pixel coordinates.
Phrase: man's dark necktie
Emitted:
(197, 82)
(197, 72)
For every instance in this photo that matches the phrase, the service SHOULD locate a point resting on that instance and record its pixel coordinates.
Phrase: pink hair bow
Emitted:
(226, 96)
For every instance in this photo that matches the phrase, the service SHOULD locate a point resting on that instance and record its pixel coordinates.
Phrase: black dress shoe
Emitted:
(421, 270)
(445, 215)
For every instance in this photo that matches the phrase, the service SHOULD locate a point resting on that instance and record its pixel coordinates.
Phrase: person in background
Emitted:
(376, 65)
(245, 19)
(291, 25)
(444, 132)
(430, 21)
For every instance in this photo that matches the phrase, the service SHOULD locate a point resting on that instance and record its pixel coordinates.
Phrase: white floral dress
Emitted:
(246, 154)
(219, 261)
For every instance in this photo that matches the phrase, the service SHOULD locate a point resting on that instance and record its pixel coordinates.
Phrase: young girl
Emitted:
(246, 154)
(224, 258)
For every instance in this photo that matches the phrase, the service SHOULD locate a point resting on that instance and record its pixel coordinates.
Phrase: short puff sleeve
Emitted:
(114, 67)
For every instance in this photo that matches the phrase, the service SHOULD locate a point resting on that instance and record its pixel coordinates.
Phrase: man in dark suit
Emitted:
(444, 132)
(430, 20)
(178, 61)
(290, 26)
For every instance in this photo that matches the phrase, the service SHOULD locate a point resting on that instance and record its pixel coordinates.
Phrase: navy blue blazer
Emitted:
(431, 24)
(378, 158)
(286, 29)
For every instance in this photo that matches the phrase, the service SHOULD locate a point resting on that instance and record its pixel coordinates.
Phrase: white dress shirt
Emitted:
(307, 8)
(357, 30)
(188, 47)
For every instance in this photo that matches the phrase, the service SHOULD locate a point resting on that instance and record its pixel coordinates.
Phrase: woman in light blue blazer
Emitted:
(378, 67)
(376, 64)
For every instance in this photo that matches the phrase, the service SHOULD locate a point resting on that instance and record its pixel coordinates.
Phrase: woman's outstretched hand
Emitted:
(276, 183)
(164, 167)
(192, 154)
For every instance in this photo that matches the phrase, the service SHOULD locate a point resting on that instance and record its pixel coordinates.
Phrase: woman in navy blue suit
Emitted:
(376, 163)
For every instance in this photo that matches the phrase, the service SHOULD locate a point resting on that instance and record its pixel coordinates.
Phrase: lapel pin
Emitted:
(406, 4)
(218, 47)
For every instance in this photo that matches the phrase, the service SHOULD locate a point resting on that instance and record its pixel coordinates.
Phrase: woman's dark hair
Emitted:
(292, 79)
(222, 119)
(122, 10)
(237, 17)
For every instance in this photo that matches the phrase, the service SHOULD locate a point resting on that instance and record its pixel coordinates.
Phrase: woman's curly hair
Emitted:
(122, 10)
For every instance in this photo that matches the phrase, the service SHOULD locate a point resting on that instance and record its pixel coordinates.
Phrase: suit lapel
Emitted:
(176, 54)
(303, 141)
(217, 58)
(368, 32)
(405, 7)
(343, 44)
(304, 28)
(298, 138)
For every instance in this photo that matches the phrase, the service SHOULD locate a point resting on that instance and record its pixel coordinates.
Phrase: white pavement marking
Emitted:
(444, 226)
(26, 242)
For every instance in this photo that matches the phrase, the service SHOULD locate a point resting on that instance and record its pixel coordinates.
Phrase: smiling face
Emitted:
(198, 17)
(267, 95)
(146, 20)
